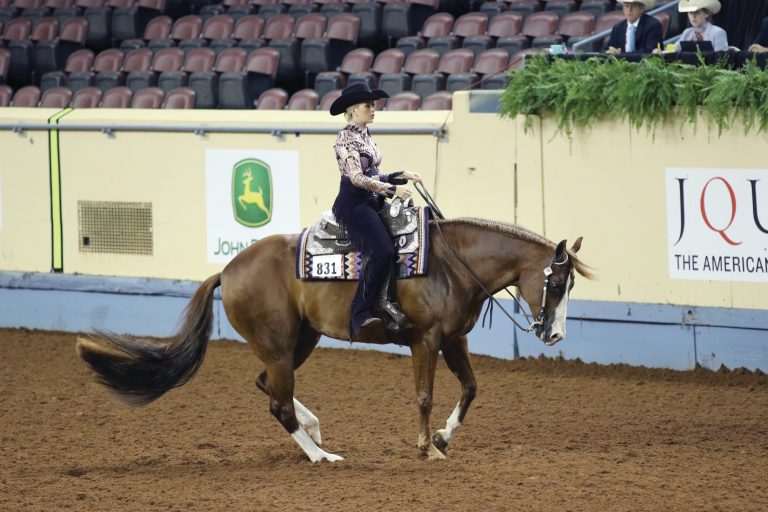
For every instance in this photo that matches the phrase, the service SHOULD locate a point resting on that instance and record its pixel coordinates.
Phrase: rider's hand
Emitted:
(756, 48)
(412, 176)
(402, 191)
(612, 50)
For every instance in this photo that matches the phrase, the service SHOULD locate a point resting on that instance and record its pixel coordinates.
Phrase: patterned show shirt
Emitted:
(359, 157)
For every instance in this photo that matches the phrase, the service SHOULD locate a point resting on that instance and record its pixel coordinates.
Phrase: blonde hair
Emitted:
(348, 113)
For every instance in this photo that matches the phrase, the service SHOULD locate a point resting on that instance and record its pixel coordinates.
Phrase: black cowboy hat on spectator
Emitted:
(354, 94)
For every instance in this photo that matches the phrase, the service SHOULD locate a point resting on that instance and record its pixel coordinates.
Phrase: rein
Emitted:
(539, 320)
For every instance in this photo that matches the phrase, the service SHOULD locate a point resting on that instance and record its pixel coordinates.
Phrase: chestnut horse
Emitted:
(283, 318)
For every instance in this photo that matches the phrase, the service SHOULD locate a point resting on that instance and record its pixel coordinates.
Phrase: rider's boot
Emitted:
(389, 310)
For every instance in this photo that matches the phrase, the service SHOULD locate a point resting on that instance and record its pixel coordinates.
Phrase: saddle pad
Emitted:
(324, 252)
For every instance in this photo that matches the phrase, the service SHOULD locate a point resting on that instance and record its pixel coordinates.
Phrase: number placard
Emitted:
(328, 266)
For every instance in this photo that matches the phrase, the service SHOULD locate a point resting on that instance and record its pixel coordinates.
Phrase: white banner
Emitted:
(717, 224)
(250, 194)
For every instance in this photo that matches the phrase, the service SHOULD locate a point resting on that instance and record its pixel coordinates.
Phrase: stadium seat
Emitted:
(404, 101)
(117, 97)
(493, 9)
(248, 28)
(78, 62)
(179, 98)
(326, 53)
(28, 96)
(277, 27)
(239, 12)
(369, 14)
(387, 62)
(507, 24)
(420, 62)
(5, 62)
(77, 8)
(89, 97)
(186, 27)
(561, 7)
(596, 7)
(305, 99)
(525, 7)
(221, 7)
(167, 60)
(289, 72)
(330, 8)
(107, 61)
(299, 8)
(437, 25)
(197, 60)
(216, 28)
(137, 60)
(603, 23)
(455, 61)
(158, 29)
(57, 97)
(17, 29)
(328, 99)
(17, 7)
(206, 84)
(576, 26)
(22, 50)
(52, 55)
(151, 97)
(356, 61)
(468, 25)
(99, 18)
(272, 99)
(269, 11)
(239, 90)
(538, 24)
(488, 63)
(441, 100)
(5, 95)
(45, 9)
(402, 19)
(130, 22)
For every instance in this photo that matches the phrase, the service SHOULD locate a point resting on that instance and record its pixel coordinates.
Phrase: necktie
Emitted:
(632, 30)
(697, 36)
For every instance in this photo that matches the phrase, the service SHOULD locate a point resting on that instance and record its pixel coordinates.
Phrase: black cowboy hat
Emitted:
(354, 94)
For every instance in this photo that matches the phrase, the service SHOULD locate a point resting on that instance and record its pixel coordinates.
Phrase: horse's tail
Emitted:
(140, 372)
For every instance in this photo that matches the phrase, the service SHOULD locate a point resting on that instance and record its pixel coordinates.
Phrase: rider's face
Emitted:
(363, 113)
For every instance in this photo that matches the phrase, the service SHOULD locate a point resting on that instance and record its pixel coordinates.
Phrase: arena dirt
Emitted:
(542, 435)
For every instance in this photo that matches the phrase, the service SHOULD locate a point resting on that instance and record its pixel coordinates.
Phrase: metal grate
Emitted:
(115, 227)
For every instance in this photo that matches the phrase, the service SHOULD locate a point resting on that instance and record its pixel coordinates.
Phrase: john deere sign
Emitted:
(252, 192)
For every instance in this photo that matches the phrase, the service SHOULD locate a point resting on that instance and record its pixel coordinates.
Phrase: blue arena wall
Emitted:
(652, 335)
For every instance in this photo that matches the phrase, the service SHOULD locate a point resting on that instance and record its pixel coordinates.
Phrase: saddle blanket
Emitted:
(325, 252)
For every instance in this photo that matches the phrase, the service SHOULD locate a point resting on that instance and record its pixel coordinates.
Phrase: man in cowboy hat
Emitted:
(701, 29)
(362, 191)
(638, 33)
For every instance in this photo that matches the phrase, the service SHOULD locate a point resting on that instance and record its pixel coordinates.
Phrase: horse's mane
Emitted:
(520, 232)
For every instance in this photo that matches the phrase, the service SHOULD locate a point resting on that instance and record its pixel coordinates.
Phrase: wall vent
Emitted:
(115, 227)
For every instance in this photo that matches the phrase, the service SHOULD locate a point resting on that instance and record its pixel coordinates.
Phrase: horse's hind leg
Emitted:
(424, 359)
(456, 356)
(307, 342)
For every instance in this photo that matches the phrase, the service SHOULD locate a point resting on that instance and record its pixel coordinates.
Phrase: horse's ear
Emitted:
(576, 245)
(560, 251)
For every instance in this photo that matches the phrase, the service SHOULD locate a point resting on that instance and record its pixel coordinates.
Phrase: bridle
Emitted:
(533, 324)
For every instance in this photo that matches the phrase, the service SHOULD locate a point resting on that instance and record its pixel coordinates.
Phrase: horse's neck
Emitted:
(496, 259)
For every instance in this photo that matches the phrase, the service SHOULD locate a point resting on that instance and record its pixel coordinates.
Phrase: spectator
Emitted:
(701, 29)
(761, 43)
(639, 33)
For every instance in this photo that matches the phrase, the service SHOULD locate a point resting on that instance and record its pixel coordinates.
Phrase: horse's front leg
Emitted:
(456, 356)
(424, 358)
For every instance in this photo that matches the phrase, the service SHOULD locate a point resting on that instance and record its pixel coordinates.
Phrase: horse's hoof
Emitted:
(330, 457)
(440, 443)
(434, 454)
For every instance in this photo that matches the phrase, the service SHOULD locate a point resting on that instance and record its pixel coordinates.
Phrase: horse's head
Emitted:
(546, 292)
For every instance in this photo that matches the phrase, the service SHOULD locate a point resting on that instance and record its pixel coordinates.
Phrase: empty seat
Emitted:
(165, 61)
(441, 100)
(437, 25)
(5, 95)
(240, 89)
(289, 72)
(270, 10)
(206, 84)
(52, 55)
(56, 97)
(305, 99)
(369, 14)
(17, 29)
(151, 97)
(420, 62)
(218, 8)
(299, 8)
(356, 61)
(327, 100)
(88, 97)
(186, 27)
(455, 61)
(77, 8)
(507, 24)
(99, 18)
(78, 62)
(330, 8)
(28, 96)
(538, 24)
(117, 97)
(239, 12)
(179, 98)
(404, 101)
(108, 61)
(197, 60)
(596, 7)
(326, 53)
(272, 99)
(561, 7)
(137, 60)
(247, 29)
(576, 26)
(387, 62)
(130, 22)
(525, 7)
(216, 28)
(5, 62)
(158, 29)
(22, 51)
(467, 25)
(277, 27)
(488, 63)
(407, 18)
(14, 10)
(46, 8)
(493, 9)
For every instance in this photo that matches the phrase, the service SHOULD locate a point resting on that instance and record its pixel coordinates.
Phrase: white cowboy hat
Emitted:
(649, 4)
(713, 6)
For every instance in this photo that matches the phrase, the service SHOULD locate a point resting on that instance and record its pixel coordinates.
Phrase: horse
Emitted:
(282, 318)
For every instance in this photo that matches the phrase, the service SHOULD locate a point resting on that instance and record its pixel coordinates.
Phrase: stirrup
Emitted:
(392, 310)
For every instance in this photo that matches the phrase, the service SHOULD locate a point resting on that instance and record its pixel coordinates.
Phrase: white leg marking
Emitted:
(451, 425)
(309, 421)
(314, 452)
(558, 324)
